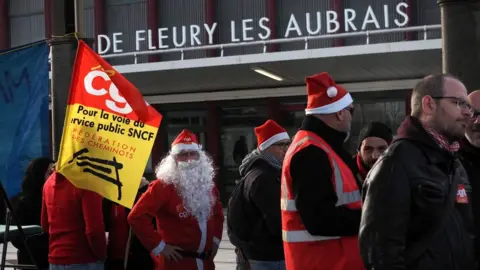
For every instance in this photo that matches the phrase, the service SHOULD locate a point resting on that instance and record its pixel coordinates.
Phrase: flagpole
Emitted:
(80, 18)
(67, 18)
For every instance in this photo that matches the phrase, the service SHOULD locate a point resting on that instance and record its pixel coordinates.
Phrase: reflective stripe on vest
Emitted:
(304, 236)
(343, 198)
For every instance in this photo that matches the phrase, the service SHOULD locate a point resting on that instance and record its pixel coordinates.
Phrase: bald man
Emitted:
(470, 157)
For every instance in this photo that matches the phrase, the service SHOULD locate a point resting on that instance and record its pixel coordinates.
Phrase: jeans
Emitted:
(267, 265)
(87, 266)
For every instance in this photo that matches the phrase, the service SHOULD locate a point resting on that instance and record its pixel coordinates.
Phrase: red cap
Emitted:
(325, 96)
(185, 141)
(269, 133)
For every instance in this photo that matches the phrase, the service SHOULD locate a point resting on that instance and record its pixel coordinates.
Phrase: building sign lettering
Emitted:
(245, 30)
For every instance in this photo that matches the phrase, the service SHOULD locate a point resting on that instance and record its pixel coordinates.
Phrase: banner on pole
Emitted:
(109, 130)
(24, 116)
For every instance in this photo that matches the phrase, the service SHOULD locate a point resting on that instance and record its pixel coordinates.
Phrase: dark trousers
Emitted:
(242, 261)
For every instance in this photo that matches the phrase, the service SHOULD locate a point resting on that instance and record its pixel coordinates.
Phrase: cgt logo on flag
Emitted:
(109, 130)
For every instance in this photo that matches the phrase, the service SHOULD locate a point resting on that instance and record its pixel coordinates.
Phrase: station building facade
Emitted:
(200, 62)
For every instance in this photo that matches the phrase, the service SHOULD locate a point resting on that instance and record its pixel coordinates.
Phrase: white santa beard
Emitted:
(193, 181)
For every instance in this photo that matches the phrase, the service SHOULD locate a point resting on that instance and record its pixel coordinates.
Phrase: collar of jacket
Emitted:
(361, 167)
(412, 129)
(332, 136)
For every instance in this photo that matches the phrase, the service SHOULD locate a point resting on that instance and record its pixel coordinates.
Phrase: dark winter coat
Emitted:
(405, 196)
(262, 191)
(470, 157)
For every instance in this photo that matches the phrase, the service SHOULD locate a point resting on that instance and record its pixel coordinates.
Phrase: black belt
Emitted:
(202, 255)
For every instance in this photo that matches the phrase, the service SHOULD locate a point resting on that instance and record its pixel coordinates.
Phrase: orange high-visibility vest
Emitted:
(304, 251)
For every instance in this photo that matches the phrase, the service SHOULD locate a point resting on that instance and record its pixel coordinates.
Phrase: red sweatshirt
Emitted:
(118, 235)
(74, 221)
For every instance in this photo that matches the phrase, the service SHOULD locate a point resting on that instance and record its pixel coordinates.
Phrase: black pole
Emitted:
(63, 54)
(64, 46)
(460, 55)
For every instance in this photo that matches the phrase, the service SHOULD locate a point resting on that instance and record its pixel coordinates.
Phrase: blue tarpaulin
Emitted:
(24, 115)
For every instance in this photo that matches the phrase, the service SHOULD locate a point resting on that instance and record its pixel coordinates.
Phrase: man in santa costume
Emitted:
(321, 203)
(186, 206)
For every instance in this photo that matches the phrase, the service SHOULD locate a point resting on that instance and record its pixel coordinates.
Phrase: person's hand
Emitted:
(171, 253)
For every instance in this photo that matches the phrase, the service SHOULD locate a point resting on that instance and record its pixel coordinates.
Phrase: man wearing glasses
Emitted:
(261, 171)
(320, 195)
(416, 212)
(470, 157)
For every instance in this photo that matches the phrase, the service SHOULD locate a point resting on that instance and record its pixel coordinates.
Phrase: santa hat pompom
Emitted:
(332, 92)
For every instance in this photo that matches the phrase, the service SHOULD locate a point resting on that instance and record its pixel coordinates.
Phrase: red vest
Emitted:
(304, 251)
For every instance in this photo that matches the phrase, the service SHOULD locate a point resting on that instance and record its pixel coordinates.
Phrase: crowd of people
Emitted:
(407, 202)
(303, 202)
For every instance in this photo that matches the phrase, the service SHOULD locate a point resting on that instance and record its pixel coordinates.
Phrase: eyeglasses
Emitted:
(187, 154)
(351, 110)
(283, 144)
(461, 103)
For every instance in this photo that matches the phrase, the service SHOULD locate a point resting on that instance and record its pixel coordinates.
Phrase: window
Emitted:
(238, 139)
(195, 121)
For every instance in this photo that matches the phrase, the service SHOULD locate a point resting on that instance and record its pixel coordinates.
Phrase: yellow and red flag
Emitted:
(109, 130)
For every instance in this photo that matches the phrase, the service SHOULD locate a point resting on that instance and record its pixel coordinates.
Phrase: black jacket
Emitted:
(262, 193)
(470, 157)
(405, 195)
(315, 196)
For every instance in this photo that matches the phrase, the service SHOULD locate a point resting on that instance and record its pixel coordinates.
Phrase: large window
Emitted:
(238, 139)
(195, 121)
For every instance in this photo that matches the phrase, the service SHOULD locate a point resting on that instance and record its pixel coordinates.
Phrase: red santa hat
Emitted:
(185, 141)
(269, 133)
(325, 96)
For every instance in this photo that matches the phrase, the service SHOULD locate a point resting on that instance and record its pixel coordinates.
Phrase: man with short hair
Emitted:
(414, 196)
(321, 203)
(186, 205)
(373, 139)
(470, 157)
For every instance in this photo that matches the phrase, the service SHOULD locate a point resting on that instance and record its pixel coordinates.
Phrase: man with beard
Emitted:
(186, 206)
(416, 213)
(374, 138)
(320, 195)
(470, 157)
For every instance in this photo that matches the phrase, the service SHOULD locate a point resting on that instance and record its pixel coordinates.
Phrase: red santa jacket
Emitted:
(175, 226)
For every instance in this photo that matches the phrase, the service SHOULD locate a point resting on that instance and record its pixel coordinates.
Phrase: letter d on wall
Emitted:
(100, 49)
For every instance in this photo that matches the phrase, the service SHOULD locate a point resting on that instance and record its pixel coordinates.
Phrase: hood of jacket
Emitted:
(248, 162)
